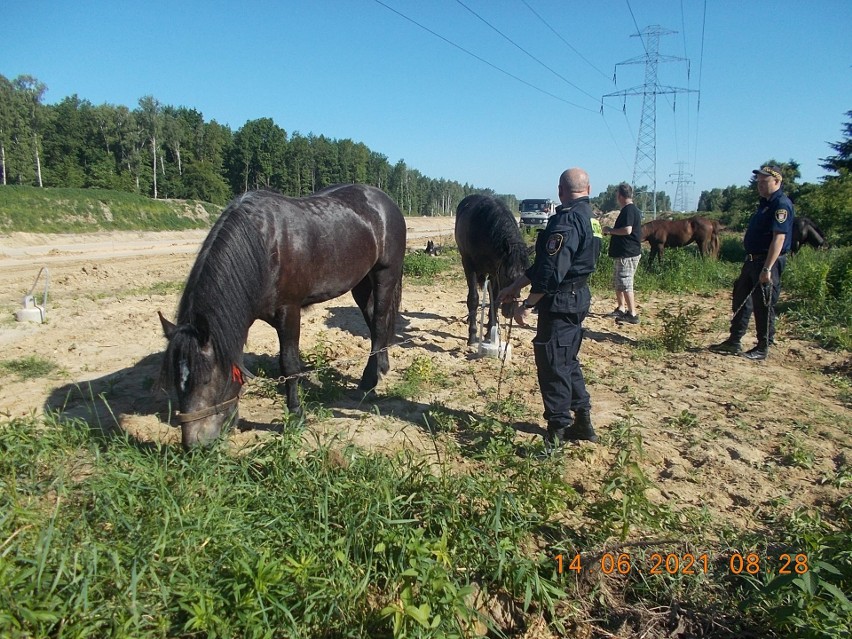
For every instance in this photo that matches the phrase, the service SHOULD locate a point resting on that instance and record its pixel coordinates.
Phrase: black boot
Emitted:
(555, 436)
(582, 427)
(757, 353)
(730, 346)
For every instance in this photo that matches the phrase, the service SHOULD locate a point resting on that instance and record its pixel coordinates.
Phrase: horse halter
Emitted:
(239, 375)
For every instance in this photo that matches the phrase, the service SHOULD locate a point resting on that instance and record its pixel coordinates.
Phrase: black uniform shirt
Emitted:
(774, 215)
(567, 249)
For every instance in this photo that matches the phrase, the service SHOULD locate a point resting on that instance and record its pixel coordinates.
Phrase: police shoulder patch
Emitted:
(781, 216)
(554, 243)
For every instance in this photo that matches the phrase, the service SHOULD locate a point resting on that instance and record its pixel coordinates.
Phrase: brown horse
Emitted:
(676, 233)
(268, 257)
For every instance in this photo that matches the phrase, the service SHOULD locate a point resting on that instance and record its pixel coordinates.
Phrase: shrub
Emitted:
(819, 285)
(678, 327)
(422, 265)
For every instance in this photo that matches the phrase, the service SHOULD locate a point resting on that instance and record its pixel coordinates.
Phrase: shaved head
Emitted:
(573, 183)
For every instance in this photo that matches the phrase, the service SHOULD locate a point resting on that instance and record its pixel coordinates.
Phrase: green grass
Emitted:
(819, 287)
(109, 538)
(816, 287)
(423, 268)
(31, 367)
(682, 271)
(52, 210)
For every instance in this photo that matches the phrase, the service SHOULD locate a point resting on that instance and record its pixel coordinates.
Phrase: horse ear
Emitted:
(168, 327)
(202, 328)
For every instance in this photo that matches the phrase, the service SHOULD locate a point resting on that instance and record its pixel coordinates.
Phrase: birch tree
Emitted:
(149, 114)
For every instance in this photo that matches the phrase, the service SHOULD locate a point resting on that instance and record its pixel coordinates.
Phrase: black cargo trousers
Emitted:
(748, 296)
(557, 342)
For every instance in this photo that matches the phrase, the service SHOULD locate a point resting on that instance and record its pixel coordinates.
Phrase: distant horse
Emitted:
(806, 232)
(676, 233)
(267, 257)
(489, 243)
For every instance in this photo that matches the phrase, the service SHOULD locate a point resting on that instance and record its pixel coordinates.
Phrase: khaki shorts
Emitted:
(625, 270)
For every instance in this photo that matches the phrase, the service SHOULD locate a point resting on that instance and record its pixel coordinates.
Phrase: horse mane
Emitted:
(502, 231)
(224, 285)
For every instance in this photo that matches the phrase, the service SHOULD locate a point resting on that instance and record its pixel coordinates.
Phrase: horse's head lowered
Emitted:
(512, 266)
(207, 389)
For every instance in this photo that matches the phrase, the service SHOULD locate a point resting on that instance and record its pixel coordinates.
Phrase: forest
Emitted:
(164, 151)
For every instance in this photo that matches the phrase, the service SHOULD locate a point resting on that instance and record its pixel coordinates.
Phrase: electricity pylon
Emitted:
(681, 181)
(645, 165)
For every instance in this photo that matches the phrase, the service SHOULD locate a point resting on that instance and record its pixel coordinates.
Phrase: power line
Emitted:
(700, 68)
(636, 24)
(525, 52)
(559, 35)
(483, 60)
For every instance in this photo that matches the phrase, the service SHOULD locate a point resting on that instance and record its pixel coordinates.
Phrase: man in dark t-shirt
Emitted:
(625, 248)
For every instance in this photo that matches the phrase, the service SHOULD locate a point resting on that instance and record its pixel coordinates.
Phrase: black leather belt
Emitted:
(758, 257)
(574, 285)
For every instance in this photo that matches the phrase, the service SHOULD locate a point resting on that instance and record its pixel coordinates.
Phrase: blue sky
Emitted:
(775, 78)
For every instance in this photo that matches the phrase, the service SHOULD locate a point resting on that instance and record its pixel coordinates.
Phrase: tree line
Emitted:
(828, 203)
(172, 152)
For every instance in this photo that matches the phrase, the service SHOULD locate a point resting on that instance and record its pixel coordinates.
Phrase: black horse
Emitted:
(267, 257)
(806, 232)
(490, 243)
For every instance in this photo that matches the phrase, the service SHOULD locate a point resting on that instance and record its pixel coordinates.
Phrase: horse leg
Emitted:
(288, 326)
(492, 306)
(363, 295)
(380, 293)
(472, 300)
(655, 254)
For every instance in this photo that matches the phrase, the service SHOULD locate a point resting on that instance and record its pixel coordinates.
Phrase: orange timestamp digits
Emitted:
(752, 565)
(622, 563)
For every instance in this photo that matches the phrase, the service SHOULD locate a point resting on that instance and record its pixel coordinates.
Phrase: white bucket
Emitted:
(494, 347)
(31, 312)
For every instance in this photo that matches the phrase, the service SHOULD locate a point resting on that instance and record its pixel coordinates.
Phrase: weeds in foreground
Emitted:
(794, 452)
(418, 376)
(108, 538)
(159, 543)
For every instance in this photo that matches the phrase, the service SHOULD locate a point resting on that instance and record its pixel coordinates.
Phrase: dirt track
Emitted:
(718, 431)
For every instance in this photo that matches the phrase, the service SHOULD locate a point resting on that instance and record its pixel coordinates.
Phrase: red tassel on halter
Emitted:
(237, 374)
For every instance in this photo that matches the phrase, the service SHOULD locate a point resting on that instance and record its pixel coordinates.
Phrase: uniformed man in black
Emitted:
(767, 241)
(566, 254)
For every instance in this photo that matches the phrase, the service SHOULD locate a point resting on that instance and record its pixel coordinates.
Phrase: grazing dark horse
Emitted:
(490, 243)
(267, 257)
(806, 232)
(676, 233)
